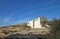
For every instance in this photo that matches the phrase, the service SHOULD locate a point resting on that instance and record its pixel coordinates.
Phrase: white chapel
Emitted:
(40, 22)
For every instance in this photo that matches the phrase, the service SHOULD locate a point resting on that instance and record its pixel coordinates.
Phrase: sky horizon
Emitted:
(20, 11)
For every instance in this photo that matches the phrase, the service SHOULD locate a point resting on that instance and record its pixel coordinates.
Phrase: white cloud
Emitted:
(24, 20)
(51, 7)
(6, 20)
(0, 18)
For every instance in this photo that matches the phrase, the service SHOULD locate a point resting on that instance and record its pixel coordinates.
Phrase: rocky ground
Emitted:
(22, 29)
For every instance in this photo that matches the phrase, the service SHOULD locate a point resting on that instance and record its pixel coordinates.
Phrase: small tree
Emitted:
(43, 21)
(55, 27)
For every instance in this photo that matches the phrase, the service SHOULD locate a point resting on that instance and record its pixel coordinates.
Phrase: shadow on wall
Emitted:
(25, 36)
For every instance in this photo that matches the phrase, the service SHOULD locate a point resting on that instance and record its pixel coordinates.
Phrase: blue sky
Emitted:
(20, 11)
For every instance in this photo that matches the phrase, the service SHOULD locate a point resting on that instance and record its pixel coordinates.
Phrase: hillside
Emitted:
(51, 33)
(21, 29)
(12, 29)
